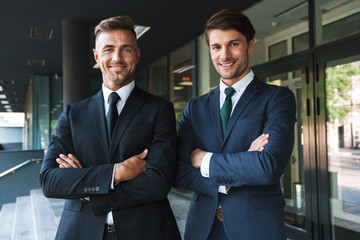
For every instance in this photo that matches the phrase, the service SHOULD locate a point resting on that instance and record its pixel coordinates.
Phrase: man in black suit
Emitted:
(115, 176)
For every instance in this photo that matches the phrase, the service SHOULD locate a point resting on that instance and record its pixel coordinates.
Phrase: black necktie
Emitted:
(112, 114)
(226, 108)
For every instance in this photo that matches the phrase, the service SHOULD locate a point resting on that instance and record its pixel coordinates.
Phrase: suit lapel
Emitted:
(215, 112)
(97, 115)
(248, 94)
(132, 106)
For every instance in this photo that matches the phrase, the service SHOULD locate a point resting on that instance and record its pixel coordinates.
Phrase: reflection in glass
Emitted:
(182, 72)
(343, 146)
(292, 181)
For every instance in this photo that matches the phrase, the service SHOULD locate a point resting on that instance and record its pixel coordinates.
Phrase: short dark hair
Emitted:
(230, 19)
(115, 23)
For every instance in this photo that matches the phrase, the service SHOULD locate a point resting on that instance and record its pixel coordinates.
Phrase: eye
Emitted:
(215, 48)
(234, 44)
(127, 50)
(108, 50)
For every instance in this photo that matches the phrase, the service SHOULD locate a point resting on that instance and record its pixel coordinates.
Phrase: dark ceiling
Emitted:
(172, 23)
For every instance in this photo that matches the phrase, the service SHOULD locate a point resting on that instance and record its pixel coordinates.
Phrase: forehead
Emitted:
(116, 38)
(218, 36)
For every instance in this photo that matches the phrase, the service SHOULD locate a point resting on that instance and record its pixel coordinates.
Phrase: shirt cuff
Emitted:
(223, 189)
(205, 165)
(112, 179)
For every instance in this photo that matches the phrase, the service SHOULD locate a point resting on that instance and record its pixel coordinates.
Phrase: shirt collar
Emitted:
(239, 85)
(124, 92)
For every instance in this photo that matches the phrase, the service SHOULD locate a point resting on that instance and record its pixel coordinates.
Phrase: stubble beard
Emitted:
(240, 71)
(119, 78)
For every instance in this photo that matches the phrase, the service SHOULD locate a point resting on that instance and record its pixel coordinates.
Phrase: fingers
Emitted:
(68, 161)
(259, 143)
(143, 154)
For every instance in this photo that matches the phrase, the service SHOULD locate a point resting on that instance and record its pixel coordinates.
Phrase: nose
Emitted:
(225, 53)
(117, 56)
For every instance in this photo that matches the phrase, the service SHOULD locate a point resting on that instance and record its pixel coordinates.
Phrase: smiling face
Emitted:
(230, 53)
(117, 54)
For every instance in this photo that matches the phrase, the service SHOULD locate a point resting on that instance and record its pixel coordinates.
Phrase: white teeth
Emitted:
(225, 65)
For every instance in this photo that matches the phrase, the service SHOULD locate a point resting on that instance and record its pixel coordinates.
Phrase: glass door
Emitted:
(342, 135)
(296, 180)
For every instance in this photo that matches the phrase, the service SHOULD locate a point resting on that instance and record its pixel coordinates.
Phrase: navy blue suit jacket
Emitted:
(140, 207)
(253, 207)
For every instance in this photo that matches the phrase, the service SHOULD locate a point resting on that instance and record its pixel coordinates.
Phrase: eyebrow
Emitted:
(122, 46)
(231, 41)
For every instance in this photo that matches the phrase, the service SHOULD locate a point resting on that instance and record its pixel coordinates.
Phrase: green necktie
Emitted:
(226, 108)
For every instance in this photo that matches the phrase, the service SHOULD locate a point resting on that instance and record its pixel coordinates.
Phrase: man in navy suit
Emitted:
(233, 173)
(115, 176)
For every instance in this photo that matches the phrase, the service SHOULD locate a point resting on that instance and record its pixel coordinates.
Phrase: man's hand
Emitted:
(196, 157)
(69, 161)
(130, 168)
(259, 143)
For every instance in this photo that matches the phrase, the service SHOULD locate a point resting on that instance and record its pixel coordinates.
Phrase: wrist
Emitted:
(117, 173)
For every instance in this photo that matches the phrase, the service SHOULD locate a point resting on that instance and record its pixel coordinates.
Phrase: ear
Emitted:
(251, 46)
(96, 56)
(137, 55)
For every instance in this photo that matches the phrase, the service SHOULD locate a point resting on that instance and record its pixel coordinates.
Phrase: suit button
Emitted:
(85, 189)
(93, 189)
(97, 189)
(89, 189)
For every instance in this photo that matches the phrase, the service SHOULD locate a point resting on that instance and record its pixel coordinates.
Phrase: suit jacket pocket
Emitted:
(267, 202)
(73, 205)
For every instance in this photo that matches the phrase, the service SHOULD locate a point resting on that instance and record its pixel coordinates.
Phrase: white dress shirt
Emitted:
(239, 87)
(124, 94)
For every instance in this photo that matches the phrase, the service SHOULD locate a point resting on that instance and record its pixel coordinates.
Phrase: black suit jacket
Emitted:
(140, 206)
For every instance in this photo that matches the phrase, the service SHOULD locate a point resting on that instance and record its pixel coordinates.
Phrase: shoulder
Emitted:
(270, 89)
(204, 99)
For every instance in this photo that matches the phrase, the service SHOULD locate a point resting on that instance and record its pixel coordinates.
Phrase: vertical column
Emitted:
(76, 61)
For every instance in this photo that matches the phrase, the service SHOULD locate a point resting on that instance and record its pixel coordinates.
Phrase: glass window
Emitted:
(56, 102)
(336, 19)
(208, 77)
(343, 146)
(300, 42)
(278, 50)
(278, 22)
(182, 73)
(158, 78)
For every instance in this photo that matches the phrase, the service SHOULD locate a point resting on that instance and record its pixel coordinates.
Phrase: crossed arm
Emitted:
(124, 171)
(258, 144)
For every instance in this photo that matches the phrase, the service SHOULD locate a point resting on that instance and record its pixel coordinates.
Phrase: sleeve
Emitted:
(187, 176)
(154, 184)
(266, 167)
(70, 183)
